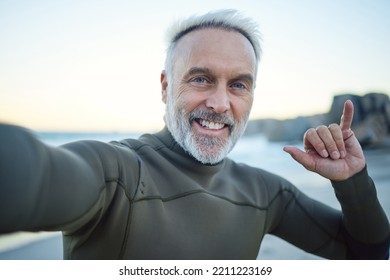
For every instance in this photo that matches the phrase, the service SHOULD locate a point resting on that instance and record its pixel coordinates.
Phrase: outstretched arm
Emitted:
(49, 188)
(333, 151)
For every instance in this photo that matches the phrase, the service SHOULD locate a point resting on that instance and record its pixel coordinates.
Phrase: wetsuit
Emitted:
(148, 199)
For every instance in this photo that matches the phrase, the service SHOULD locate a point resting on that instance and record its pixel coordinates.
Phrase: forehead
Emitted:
(211, 46)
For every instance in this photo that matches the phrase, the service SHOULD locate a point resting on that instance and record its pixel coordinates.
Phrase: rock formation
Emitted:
(371, 122)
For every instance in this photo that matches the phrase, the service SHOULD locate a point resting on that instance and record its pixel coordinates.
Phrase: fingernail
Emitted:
(335, 155)
(324, 153)
(343, 154)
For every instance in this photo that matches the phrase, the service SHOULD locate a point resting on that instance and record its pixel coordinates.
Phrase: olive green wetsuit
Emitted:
(148, 199)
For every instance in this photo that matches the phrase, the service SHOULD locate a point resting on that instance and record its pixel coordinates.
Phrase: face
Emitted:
(210, 92)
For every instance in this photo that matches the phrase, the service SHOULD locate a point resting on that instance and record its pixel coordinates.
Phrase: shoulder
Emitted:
(260, 179)
(257, 173)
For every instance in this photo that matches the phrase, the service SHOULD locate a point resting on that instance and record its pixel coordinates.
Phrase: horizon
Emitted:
(139, 132)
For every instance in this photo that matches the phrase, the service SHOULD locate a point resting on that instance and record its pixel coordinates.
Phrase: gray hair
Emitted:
(230, 20)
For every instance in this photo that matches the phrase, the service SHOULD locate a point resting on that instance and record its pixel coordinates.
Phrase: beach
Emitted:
(253, 150)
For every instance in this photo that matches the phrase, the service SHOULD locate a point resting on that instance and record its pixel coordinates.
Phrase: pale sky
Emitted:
(95, 65)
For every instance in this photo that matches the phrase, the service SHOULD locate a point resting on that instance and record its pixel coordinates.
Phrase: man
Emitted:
(174, 194)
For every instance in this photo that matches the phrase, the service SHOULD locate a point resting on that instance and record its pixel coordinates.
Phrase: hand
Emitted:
(333, 151)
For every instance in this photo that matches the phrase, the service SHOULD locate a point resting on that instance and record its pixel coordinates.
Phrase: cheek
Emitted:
(187, 99)
(241, 106)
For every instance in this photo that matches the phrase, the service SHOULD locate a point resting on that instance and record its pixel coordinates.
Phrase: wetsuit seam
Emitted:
(294, 197)
(127, 144)
(314, 221)
(127, 230)
(139, 146)
(326, 241)
(266, 217)
(156, 147)
(72, 242)
(101, 189)
(129, 214)
(120, 185)
(320, 247)
(185, 194)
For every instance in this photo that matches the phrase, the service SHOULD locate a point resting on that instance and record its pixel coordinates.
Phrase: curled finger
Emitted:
(313, 142)
(329, 142)
(337, 136)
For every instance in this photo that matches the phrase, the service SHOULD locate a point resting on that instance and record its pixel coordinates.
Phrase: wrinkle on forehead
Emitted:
(211, 46)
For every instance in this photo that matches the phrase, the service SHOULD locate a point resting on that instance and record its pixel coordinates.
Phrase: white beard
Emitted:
(206, 149)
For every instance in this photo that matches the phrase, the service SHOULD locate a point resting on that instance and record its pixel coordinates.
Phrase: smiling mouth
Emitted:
(211, 125)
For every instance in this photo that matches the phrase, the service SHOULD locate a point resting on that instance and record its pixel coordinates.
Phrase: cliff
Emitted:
(371, 122)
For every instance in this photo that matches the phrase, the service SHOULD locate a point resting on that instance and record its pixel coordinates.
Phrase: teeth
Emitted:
(211, 125)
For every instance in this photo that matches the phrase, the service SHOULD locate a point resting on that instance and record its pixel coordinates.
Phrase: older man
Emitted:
(174, 194)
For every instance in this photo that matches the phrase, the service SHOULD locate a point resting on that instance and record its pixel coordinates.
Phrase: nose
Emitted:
(219, 100)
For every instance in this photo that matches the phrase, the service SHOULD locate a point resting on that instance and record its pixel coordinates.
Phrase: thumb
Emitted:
(300, 156)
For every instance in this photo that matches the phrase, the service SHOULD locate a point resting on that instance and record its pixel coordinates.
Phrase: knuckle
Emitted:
(310, 132)
(332, 147)
(333, 126)
(336, 132)
(321, 128)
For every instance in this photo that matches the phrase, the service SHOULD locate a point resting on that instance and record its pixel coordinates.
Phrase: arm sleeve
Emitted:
(359, 231)
(53, 188)
(365, 225)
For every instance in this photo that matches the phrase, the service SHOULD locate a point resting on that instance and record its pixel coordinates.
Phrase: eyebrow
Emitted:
(245, 77)
(208, 72)
(198, 70)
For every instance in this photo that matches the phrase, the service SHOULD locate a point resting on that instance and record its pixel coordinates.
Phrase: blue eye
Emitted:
(200, 80)
(238, 86)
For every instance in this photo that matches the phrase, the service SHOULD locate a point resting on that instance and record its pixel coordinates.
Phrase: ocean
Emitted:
(253, 150)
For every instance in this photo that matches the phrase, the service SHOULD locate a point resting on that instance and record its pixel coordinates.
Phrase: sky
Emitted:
(95, 65)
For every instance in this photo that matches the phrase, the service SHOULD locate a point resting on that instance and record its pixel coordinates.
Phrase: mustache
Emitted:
(211, 116)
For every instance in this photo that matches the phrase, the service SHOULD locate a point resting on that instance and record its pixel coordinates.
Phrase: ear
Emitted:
(164, 86)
